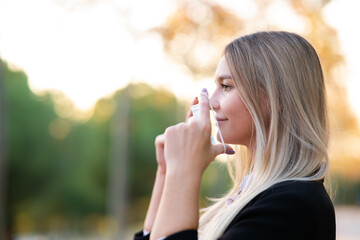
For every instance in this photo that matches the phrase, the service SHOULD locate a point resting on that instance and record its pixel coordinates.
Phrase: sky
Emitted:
(89, 51)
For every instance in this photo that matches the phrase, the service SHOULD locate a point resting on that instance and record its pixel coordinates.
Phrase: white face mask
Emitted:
(196, 113)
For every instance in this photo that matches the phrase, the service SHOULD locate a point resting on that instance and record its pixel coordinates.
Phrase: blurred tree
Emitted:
(29, 144)
(195, 35)
(58, 167)
(4, 231)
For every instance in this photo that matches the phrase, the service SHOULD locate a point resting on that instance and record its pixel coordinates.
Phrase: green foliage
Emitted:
(58, 167)
(29, 144)
(346, 191)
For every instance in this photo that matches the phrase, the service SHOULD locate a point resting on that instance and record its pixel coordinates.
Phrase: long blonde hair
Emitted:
(292, 143)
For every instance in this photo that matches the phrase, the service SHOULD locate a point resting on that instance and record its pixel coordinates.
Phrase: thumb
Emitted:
(219, 149)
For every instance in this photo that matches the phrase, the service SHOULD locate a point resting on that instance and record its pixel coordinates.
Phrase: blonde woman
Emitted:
(270, 99)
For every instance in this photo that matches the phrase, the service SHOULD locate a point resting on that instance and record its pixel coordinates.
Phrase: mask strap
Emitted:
(216, 122)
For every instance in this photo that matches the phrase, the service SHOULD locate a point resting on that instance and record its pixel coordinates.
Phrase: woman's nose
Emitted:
(214, 102)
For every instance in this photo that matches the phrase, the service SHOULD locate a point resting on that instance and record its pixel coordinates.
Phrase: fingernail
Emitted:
(230, 151)
(204, 90)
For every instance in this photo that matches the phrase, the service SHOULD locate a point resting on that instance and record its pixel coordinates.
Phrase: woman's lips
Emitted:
(221, 120)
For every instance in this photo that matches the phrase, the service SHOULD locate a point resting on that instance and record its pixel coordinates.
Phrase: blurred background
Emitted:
(87, 85)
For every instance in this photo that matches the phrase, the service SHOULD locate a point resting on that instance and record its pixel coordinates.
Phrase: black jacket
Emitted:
(288, 210)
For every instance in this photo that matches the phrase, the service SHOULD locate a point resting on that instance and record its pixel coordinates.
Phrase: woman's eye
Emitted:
(225, 87)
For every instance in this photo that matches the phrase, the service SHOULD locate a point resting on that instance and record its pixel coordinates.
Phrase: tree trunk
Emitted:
(117, 191)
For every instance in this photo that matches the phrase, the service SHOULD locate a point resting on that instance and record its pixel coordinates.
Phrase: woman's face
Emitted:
(233, 117)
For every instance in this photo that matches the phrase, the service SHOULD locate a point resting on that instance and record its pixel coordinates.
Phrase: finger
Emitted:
(190, 113)
(204, 107)
(160, 140)
(219, 149)
(191, 119)
(196, 101)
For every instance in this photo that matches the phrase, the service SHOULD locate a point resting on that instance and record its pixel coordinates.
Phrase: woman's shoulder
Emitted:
(297, 187)
(307, 196)
(284, 209)
(311, 193)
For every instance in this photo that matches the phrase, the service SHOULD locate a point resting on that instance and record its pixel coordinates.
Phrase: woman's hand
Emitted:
(160, 142)
(187, 151)
(188, 148)
(159, 149)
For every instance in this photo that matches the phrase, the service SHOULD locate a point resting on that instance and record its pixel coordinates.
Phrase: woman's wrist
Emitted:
(155, 199)
(183, 177)
(180, 198)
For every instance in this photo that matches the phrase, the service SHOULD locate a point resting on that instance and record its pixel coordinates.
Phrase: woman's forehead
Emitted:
(222, 68)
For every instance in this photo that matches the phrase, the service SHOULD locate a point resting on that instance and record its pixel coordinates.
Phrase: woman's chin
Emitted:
(229, 140)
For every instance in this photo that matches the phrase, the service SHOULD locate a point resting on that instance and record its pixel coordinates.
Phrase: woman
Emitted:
(270, 98)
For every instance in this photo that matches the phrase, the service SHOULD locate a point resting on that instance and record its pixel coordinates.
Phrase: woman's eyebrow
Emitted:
(222, 78)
